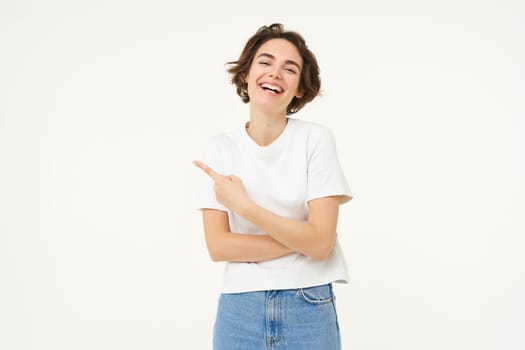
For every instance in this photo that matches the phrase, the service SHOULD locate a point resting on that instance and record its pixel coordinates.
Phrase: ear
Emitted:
(299, 94)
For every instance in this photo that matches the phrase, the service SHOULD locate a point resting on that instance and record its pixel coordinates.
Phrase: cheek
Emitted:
(295, 85)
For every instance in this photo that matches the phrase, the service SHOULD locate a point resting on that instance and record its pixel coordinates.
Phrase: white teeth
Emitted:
(274, 88)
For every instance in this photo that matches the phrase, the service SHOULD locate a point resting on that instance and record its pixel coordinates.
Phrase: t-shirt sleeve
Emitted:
(325, 176)
(205, 198)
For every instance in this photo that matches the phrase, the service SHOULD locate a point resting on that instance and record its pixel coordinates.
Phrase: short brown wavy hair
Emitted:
(309, 82)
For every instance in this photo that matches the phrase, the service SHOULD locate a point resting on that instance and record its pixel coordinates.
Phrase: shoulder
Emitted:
(221, 150)
(314, 133)
(311, 128)
(219, 139)
(222, 140)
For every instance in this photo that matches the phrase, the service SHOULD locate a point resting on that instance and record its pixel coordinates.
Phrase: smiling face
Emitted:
(274, 76)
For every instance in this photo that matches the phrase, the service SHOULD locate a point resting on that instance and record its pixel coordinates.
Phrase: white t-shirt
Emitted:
(300, 165)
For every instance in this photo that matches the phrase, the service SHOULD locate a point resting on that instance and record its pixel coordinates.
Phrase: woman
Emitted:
(270, 205)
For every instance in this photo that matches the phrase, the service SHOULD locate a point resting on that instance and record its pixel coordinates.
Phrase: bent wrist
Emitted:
(247, 209)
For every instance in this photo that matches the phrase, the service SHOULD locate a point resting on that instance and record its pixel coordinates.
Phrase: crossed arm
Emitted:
(315, 237)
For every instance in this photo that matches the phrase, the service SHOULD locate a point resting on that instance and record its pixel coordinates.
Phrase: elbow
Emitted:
(215, 251)
(215, 258)
(319, 256)
(217, 244)
(215, 254)
(322, 252)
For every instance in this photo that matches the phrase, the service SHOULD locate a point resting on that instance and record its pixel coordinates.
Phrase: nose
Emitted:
(275, 73)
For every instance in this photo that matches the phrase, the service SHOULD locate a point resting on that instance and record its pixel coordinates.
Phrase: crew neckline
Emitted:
(272, 146)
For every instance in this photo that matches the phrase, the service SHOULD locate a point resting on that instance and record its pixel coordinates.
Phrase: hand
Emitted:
(229, 190)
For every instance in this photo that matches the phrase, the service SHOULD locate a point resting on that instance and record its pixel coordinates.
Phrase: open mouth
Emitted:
(273, 88)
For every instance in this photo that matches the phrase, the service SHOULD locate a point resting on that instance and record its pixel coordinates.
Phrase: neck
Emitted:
(265, 128)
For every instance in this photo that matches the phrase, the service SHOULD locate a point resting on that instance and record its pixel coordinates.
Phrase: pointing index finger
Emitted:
(214, 175)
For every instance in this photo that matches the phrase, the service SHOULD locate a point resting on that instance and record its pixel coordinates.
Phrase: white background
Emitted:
(103, 105)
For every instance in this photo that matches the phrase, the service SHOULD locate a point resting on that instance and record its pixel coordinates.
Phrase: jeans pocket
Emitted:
(318, 295)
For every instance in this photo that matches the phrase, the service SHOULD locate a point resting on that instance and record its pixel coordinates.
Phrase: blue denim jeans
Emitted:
(291, 319)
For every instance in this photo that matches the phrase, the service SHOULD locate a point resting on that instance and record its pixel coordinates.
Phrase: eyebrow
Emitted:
(292, 62)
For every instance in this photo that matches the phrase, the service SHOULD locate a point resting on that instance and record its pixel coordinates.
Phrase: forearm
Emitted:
(300, 236)
(236, 247)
